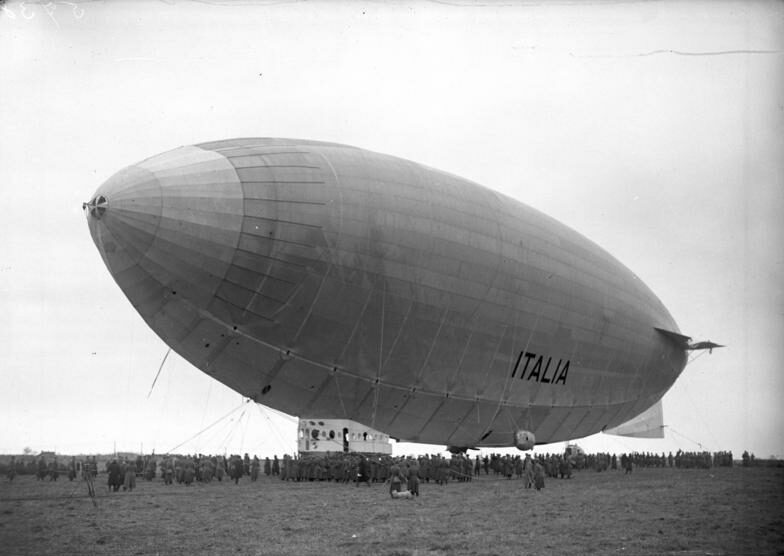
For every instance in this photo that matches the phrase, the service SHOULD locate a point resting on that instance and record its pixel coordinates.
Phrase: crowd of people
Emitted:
(50, 469)
(680, 460)
(402, 473)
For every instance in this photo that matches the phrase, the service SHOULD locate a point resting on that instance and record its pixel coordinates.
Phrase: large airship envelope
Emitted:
(332, 282)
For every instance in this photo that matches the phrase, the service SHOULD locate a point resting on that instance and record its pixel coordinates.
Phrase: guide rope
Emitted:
(263, 411)
(689, 439)
(232, 430)
(205, 429)
(160, 368)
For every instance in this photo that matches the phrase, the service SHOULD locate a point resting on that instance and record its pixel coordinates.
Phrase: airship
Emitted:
(324, 280)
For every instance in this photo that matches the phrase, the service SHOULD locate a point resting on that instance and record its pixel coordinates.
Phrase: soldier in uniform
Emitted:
(246, 464)
(168, 471)
(538, 475)
(413, 477)
(130, 476)
(41, 475)
(207, 469)
(115, 476)
(220, 467)
(235, 469)
(626, 463)
(394, 479)
(363, 471)
(254, 469)
(11, 469)
(149, 469)
(275, 466)
(54, 471)
(565, 467)
(188, 471)
(528, 471)
(284, 476)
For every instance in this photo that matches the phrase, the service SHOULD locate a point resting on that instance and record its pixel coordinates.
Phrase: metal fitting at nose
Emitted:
(96, 207)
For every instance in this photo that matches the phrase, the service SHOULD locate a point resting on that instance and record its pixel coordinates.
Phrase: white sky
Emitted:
(600, 115)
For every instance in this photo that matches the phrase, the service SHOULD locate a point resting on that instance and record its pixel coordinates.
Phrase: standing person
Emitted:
(528, 471)
(413, 477)
(507, 466)
(42, 469)
(246, 464)
(11, 469)
(363, 471)
(538, 475)
(275, 466)
(394, 479)
(115, 476)
(626, 463)
(54, 470)
(220, 467)
(235, 469)
(150, 468)
(254, 469)
(188, 471)
(130, 476)
(207, 469)
(179, 469)
(168, 471)
(566, 468)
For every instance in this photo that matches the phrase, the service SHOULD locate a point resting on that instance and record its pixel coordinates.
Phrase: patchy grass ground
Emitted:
(653, 511)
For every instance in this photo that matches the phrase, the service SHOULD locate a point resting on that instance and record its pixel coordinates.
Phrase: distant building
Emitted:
(46, 455)
(340, 435)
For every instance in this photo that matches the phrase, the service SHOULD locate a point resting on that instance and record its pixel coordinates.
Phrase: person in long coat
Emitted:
(130, 476)
(538, 475)
(363, 471)
(235, 469)
(115, 476)
(254, 469)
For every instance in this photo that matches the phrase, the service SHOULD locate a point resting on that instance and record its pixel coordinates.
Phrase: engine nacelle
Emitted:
(524, 440)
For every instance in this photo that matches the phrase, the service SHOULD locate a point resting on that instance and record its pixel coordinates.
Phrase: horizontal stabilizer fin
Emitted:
(648, 424)
(679, 339)
(685, 342)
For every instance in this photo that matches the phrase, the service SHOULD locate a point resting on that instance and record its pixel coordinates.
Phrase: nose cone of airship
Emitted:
(168, 224)
(124, 215)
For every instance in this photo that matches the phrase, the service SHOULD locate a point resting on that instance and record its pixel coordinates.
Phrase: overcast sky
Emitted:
(656, 129)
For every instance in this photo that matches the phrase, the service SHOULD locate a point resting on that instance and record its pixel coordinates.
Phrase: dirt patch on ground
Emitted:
(652, 511)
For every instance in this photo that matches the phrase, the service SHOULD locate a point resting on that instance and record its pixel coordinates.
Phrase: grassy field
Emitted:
(653, 511)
